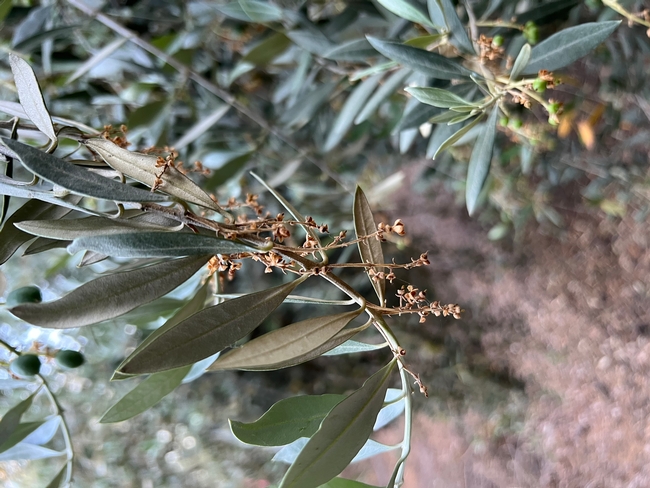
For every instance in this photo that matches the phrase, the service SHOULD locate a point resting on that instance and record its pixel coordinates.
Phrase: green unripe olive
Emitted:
(553, 108)
(26, 365)
(516, 123)
(69, 359)
(553, 121)
(26, 294)
(530, 24)
(531, 32)
(504, 121)
(539, 85)
(497, 41)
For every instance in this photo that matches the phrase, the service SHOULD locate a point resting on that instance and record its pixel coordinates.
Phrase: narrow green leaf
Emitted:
(286, 421)
(353, 347)
(56, 481)
(451, 140)
(459, 37)
(145, 169)
(267, 50)
(261, 12)
(201, 127)
(289, 453)
(341, 434)
(521, 62)
(33, 193)
(351, 108)
(436, 14)
(30, 96)
(70, 229)
(369, 249)
(354, 50)
(24, 451)
(207, 332)
(96, 58)
(157, 245)
(407, 10)
(22, 430)
(345, 483)
(288, 345)
(42, 244)
(391, 85)
(479, 161)
(110, 296)
(422, 61)
(438, 97)
(11, 420)
(12, 238)
(76, 179)
(568, 45)
(145, 395)
(303, 111)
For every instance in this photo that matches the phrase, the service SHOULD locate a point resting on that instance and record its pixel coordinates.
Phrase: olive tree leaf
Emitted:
(289, 453)
(422, 61)
(354, 50)
(56, 481)
(157, 245)
(259, 11)
(393, 408)
(393, 82)
(145, 168)
(438, 97)
(110, 296)
(459, 37)
(24, 451)
(407, 10)
(351, 108)
(33, 193)
(568, 45)
(145, 395)
(288, 345)
(479, 161)
(345, 483)
(353, 347)
(436, 14)
(521, 62)
(43, 244)
(76, 179)
(23, 430)
(11, 420)
(455, 137)
(207, 331)
(286, 421)
(369, 248)
(30, 96)
(341, 434)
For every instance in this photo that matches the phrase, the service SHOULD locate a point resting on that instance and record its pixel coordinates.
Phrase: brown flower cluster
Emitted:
(397, 228)
(488, 50)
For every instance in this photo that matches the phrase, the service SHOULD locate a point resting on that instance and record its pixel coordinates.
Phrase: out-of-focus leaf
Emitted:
(420, 114)
(96, 58)
(267, 50)
(479, 161)
(76, 179)
(12, 238)
(355, 50)
(145, 395)
(407, 10)
(288, 345)
(548, 11)
(311, 40)
(436, 14)
(157, 245)
(393, 408)
(207, 331)
(45, 432)
(351, 108)
(520, 63)
(70, 229)
(459, 37)
(259, 11)
(441, 133)
(353, 347)
(391, 85)
(568, 45)
(345, 483)
(30, 96)
(199, 368)
(147, 114)
(455, 137)
(369, 249)
(38, 39)
(422, 61)
(146, 169)
(438, 97)
(21, 431)
(110, 296)
(11, 420)
(306, 106)
(201, 127)
(286, 421)
(341, 434)
(5, 8)
(56, 481)
(24, 451)
(229, 170)
(423, 42)
(33, 23)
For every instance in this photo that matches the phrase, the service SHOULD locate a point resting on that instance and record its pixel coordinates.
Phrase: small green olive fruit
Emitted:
(497, 41)
(539, 85)
(552, 120)
(554, 107)
(504, 121)
(516, 123)
(26, 365)
(69, 359)
(531, 32)
(26, 294)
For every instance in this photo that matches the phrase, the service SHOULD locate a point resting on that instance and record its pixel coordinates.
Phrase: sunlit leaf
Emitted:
(23, 451)
(353, 347)
(30, 96)
(145, 395)
(407, 10)
(479, 161)
(11, 420)
(428, 63)
(289, 345)
(459, 37)
(286, 421)
(76, 179)
(207, 331)
(438, 97)
(369, 248)
(568, 45)
(110, 296)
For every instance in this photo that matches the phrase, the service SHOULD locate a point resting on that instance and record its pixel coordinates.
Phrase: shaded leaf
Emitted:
(267, 50)
(39, 38)
(353, 347)
(459, 37)
(147, 114)
(110, 296)
(422, 61)
(341, 434)
(11, 420)
(568, 45)
(288, 345)
(21, 431)
(76, 179)
(521, 62)
(355, 50)
(407, 10)
(145, 395)
(157, 245)
(56, 481)
(436, 14)
(144, 168)
(369, 249)
(306, 106)
(351, 108)
(207, 331)
(30, 96)
(259, 11)
(455, 137)
(42, 244)
(201, 127)
(345, 483)
(391, 85)
(438, 97)
(479, 161)
(286, 421)
(96, 58)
